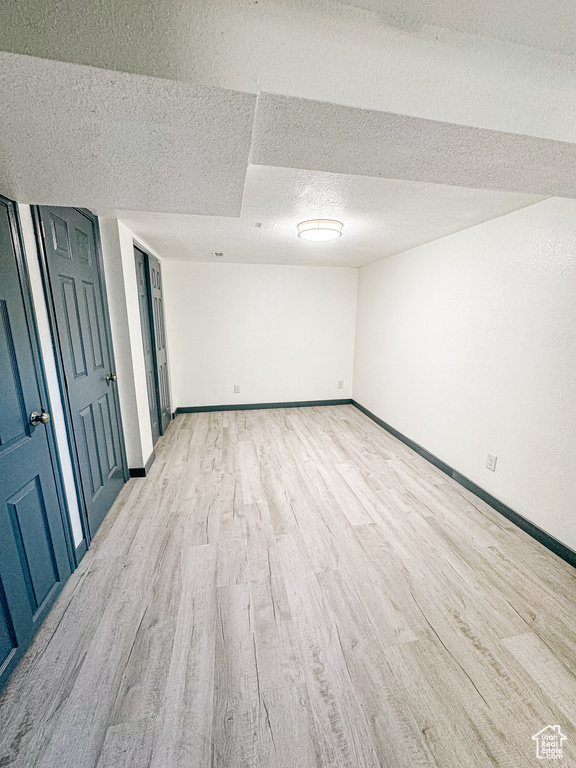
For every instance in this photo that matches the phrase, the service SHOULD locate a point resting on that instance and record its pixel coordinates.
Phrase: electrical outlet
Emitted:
(236, 388)
(340, 384)
(491, 461)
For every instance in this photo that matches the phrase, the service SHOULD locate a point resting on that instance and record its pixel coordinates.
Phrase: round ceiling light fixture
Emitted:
(320, 230)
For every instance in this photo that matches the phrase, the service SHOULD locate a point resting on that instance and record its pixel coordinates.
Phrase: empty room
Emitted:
(288, 384)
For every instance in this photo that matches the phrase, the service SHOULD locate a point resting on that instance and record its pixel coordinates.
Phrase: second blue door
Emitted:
(76, 284)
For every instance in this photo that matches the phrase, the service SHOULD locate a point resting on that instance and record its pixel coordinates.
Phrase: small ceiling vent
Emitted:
(217, 254)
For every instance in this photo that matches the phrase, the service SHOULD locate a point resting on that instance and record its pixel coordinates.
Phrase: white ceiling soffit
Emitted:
(381, 217)
(299, 133)
(77, 135)
(546, 25)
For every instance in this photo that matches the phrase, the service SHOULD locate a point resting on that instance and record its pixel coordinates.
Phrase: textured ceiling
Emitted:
(76, 135)
(381, 217)
(115, 142)
(325, 50)
(546, 25)
(297, 133)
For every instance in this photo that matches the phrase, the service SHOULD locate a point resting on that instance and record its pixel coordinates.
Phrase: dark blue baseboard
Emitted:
(537, 533)
(143, 471)
(258, 406)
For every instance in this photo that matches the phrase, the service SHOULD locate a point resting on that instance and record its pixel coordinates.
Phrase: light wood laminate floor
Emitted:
(297, 589)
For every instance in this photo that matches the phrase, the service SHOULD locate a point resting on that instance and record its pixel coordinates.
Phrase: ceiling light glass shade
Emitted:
(320, 230)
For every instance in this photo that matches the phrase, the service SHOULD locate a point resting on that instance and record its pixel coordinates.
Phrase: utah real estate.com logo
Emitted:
(549, 743)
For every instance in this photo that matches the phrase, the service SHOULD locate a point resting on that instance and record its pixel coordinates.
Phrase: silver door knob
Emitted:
(39, 418)
(111, 377)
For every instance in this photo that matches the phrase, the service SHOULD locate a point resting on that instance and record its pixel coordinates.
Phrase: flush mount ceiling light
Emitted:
(320, 230)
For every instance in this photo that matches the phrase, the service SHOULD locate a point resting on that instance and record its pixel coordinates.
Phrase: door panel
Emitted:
(90, 445)
(34, 558)
(145, 324)
(159, 338)
(8, 642)
(27, 510)
(105, 408)
(76, 281)
(94, 325)
(13, 418)
(73, 333)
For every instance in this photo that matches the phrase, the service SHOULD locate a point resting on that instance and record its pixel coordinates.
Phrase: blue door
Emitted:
(146, 325)
(80, 310)
(159, 336)
(34, 550)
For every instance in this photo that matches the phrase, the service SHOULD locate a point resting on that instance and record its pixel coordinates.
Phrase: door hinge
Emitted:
(66, 382)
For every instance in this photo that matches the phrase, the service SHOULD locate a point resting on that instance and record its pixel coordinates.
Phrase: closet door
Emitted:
(35, 558)
(159, 337)
(147, 342)
(80, 310)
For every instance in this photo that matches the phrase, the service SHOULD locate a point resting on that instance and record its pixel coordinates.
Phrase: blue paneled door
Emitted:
(159, 337)
(147, 342)
(80, 310)
(34, 553)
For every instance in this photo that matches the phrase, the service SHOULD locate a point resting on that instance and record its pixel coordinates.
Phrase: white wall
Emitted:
(468, 345)
(284, 333)
(49, 360)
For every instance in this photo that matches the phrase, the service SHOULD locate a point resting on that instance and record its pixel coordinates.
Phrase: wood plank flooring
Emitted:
(294, 588)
